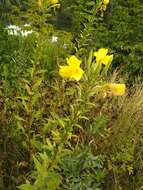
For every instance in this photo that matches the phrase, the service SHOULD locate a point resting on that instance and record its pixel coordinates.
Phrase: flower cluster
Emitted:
(73, 71)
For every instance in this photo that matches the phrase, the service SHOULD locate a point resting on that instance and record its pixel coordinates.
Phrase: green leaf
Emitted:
(17, 117)
(25, 105)
(53, 180)
(28, 89)
(38, 165)
(27, 187)
(37, 84)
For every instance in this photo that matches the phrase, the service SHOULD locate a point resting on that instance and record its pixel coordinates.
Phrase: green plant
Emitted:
(54, 132)
(70, 132)
(124, 142)
(45, 178)
(82, 170)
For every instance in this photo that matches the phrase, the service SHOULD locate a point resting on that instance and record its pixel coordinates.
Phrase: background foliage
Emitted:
(119, 28)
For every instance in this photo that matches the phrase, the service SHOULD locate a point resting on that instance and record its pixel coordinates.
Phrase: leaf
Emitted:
(41, 71)
(19, 128)
(35, 98)
(32, 71)
(37, 144)
(22, 97)
(130, 170)
(84, 117)
(38, 165)
(25, 106)
(26, 81)
(17, 117)
(37, 84)
(37, 114)
(53, 180)
(27, 187)
(28, 89)
(89, 61)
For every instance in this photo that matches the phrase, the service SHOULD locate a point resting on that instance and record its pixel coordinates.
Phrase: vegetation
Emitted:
(71, 95)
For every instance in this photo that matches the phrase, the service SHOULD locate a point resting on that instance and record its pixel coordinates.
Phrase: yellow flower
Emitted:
(102, 57)
(100, 54)
(73, 70)
(117, 89)
(107, 59)
(73, 61)
(53, 2)
(105, 2)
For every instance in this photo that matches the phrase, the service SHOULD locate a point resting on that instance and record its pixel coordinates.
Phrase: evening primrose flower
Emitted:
(73, 60)
(117, 89)
(72, 70)
(102, 57)
(107, 59)
(100, 54)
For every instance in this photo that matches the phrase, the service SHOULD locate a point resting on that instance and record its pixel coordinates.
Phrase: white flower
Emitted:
(54, 39)
(17, 30)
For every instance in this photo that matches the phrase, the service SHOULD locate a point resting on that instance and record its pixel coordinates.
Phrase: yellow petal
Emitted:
(73, 61)
(105, 2)
(101, 51)
(107, 59)
(65, 71)
(100, 54)
(77, 74)
(53, 2)
(71, 72)
(117, 89)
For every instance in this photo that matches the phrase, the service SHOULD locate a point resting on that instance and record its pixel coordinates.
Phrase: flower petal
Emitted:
(71, 72)
(100, 54)
(117, 89)
(77, 74)
(107, 59)
(73, 61)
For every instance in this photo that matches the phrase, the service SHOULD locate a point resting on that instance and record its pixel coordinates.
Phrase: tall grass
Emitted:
(124, 148)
